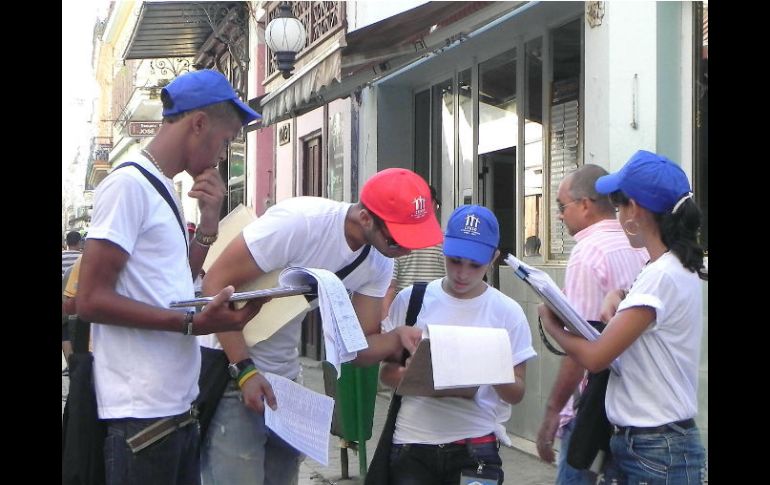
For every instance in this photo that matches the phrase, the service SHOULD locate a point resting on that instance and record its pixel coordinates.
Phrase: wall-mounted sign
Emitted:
(143, 128)
(284, 134)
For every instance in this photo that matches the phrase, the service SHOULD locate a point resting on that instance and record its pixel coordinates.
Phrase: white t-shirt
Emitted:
(433, 420)
(659, 383)
(143, 373)
(308, 232)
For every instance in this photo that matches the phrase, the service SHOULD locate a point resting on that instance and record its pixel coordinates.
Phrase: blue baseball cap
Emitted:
(198, 89)
(472, 233)
(653, 181)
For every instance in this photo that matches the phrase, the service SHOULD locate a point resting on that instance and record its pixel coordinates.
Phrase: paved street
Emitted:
(521, 468)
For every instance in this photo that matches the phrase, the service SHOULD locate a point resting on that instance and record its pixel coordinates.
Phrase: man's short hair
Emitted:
(73, 238)
(583, 185)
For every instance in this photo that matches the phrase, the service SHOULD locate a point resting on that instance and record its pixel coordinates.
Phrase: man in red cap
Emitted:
(394, 215)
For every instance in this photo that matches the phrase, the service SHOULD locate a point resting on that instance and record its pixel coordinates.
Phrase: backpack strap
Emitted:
(415, 305)
(161, 190)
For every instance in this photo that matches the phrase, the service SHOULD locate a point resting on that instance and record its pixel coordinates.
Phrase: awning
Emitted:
(174, 29)
(368, 53)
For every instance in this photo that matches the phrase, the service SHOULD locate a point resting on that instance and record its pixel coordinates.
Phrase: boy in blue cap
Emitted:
(138, 258)
(435, 439)
(655, 326)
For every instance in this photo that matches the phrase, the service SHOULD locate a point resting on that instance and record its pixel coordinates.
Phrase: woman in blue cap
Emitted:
(655, 326)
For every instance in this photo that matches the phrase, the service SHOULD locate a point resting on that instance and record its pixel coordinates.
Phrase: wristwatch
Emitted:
(236, 369)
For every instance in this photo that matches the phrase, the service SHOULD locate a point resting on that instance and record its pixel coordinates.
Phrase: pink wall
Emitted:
(264, 177)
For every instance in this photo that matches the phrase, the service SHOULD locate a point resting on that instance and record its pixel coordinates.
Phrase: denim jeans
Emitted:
(239, 449)
(566, 474)
(670, 458)
(414, 464)
(173, 460)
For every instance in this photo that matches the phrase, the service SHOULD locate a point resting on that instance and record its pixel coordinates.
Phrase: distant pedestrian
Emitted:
(68, 258)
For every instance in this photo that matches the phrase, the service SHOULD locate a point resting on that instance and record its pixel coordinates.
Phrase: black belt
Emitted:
(684, 424)
(160, 429)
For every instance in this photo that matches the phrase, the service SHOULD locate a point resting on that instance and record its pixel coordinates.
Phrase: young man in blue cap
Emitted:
(146, 358)
(435, 439)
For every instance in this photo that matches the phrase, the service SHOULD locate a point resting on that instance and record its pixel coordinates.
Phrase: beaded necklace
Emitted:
(152, 159)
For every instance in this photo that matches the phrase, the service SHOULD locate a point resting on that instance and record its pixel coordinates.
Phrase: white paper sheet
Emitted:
(303, 418)
(470, 356)
(343, 335)
(554, 298)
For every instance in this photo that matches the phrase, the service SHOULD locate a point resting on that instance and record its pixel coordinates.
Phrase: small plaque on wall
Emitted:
(284, 134)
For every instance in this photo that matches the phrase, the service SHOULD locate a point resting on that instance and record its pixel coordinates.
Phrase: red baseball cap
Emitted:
(402, 199)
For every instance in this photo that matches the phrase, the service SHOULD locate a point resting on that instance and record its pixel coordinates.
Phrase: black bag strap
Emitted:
(342, 273)
(162, 191)
(415, 305)
(380, 465)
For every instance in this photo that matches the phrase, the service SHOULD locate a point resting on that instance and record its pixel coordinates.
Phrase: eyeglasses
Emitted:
(562, 207)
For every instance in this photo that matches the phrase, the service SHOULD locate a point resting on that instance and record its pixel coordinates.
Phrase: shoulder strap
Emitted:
(415, 302)
(161, 190)
(415, 305)
(341, 274)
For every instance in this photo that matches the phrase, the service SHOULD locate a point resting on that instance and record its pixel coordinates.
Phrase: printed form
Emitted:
(303, 418)
(343, 336)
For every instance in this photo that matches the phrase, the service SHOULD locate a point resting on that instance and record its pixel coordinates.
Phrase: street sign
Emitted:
(143, 128)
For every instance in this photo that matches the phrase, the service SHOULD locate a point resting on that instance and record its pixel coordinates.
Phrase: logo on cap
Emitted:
(471, 225)
(419, 207)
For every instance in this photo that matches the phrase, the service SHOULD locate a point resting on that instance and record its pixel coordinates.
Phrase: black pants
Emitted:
(441, 464)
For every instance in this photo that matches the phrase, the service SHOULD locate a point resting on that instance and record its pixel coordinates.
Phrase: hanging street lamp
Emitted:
(285, 35)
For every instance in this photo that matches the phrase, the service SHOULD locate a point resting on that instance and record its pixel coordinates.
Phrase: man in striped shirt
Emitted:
(601, 261)
(426, 264)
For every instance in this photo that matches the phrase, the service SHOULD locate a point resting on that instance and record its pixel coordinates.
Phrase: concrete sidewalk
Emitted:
(521, 464)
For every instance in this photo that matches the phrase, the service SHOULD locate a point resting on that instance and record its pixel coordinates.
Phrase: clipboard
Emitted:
(276, 292)
(418, 378)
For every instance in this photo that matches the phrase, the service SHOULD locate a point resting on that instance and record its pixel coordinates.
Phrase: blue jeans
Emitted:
(565, 473)
(239, 449)
(670, 458)
(413, 464)
(173, 460)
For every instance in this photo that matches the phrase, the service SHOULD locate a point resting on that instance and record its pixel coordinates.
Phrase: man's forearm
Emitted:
(567, 380)
(234, 346)
(197, 256)
(381, 346)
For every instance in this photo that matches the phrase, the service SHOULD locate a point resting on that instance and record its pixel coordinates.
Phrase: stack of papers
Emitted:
(303, 417)
(554, 299)
(343, 336)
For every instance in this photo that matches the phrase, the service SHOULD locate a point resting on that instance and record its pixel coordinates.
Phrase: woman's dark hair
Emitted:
(679, 231)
